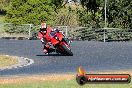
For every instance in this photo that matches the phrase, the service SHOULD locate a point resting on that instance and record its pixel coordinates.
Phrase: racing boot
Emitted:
(45, 51)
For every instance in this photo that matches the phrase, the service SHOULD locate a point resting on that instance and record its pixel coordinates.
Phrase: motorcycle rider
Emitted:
(44, 37)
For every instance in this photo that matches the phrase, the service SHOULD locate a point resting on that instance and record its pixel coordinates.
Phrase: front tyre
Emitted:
(66, 50)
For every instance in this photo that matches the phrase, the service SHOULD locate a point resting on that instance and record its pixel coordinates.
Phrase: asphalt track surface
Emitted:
(93, 56)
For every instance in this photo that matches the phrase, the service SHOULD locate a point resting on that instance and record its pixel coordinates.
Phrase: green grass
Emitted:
(63, 84)
(7, 60)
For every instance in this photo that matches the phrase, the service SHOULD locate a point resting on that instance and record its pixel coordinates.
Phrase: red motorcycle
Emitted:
(60, 43)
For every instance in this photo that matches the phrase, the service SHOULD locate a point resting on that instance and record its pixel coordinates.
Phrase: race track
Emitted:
(91, 55)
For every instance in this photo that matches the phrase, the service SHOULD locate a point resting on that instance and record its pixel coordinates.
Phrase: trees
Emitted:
(58, 3)
(3, 6)
(120, 13)
(4, 3)
(90, 20)
(87, 4)
(30, 11)
(66, 16)
(33, 11)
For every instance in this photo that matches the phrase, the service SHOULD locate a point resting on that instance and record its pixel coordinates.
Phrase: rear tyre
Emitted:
(66, 50)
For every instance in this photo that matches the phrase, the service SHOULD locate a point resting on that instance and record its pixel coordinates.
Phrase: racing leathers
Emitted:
(44, 36)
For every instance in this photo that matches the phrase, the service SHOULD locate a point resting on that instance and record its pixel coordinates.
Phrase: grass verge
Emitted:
(54, 81)
(7, 60)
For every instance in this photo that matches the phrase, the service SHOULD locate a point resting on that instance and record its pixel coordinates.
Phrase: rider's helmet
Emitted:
(43, 25)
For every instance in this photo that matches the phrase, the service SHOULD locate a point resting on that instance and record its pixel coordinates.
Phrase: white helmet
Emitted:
(43, 25)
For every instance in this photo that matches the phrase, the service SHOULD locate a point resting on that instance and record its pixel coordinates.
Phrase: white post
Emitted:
(29, 31)
(105, 13)
(104, 35)
(105, 19)
(66, 31)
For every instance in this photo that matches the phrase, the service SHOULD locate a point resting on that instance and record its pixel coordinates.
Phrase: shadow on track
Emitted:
(52, 55)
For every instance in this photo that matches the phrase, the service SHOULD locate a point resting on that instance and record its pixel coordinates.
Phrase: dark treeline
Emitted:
(60, 12)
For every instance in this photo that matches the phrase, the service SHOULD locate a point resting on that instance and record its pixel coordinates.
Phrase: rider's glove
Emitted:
(42, 40)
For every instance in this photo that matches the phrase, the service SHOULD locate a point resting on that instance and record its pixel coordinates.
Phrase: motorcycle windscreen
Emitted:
(52, 33)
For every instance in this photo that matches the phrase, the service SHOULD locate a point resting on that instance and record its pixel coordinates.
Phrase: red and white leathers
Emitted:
(44, 36)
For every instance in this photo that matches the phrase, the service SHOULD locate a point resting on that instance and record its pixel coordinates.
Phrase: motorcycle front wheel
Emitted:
(66, 50)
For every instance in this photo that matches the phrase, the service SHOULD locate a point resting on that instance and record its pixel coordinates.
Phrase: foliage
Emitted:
(110, 34)
(57, 12)
(13, 28)
(30, 11)
(59, 4)
(4, 4)
(90, 4)
(66, 16)
(120, 13)
(86, 18)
